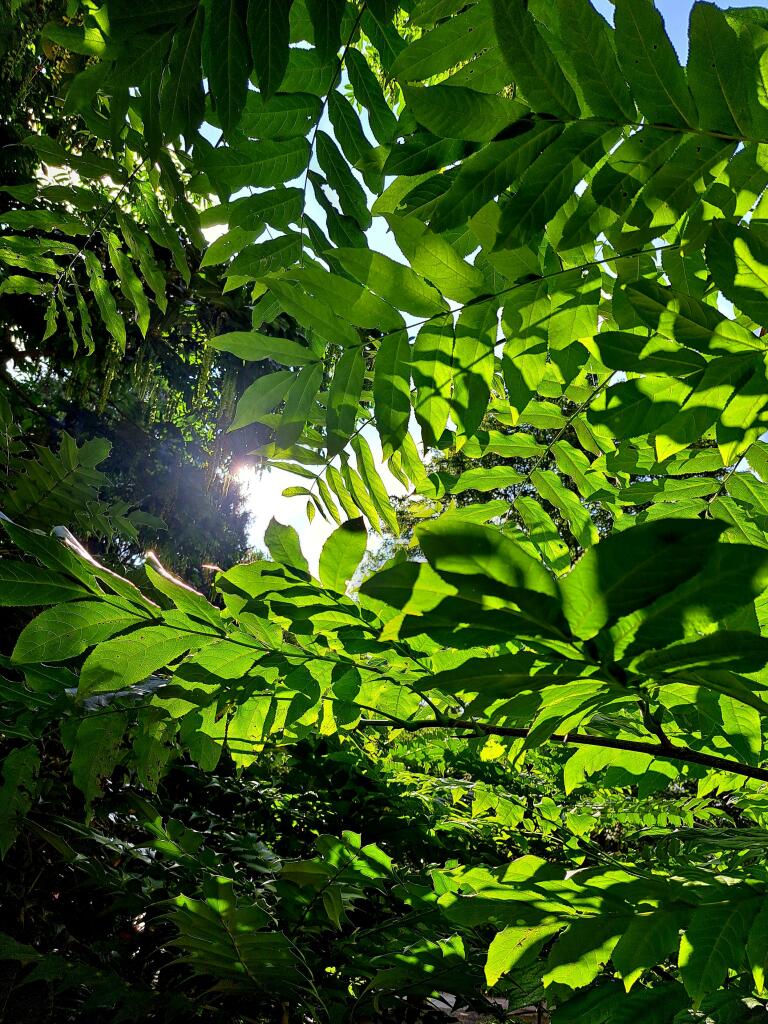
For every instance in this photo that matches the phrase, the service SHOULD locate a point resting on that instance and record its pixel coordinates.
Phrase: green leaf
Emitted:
(511, 945)
(347, 298)
(299, 400)
(742, 724)
(392, 390)
(474, 364)
(423, 152)
(184, 597)
(17, 793)
(757, 947)
(341, 555)
(588, 41)
(113, 321)
(340, 178)
(44, 220)
(256, 261)
(129, 282)
(226, 59)
(374, 485)
(549, 182)
(543, 534)
(160, 230)
(23, 584)
(487, 173)
(261, 397)
(326, 17)
(250, 345)
(141, 250)
(77, 39)
(350, 136)
(182, 101)
(285, 116)
(739, 424)
(345, 498)
(258, 164)
(411, 587)
(368, 92)
(713, 389)
(269, 34)
(713, 942)
(491, 479)
(532, 63)
(344, 398)
(432, 375)
(687, 320)
(647, 355)
(731, 577)
(580, 952)
(434, 258)
(738, 259)
(450, 43)
(631, 569)
(223, 248)
(308, 72)
(284, 546)
(638, 407)
(733, 650)
(122, 661)
(717, 61)
(465, 549)
(96, 753)
(650, 65)
(311, 312)
(454, 112)
(395, 283)
(501, 677)
(362, 501)
(279, 207)
(18, 284)
(60, 633)
(651, 938)
(551, 488)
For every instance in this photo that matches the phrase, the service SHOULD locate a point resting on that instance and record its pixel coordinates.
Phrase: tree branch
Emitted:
(670, 751)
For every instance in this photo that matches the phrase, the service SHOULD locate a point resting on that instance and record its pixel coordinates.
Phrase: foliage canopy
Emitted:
(536, 733)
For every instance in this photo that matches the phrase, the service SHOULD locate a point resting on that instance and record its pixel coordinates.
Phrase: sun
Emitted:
(242, 473)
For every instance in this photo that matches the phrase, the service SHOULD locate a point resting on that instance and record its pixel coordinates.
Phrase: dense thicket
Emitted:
(519, 769)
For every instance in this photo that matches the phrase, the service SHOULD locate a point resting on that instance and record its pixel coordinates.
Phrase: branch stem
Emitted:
(670, 751)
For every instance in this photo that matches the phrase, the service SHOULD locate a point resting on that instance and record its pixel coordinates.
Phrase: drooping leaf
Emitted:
(182, 101)
(717, 61)
(344, 397)
(269, 35)
(391, 389)
(530, 60)
(587, 39)
(341, 554)
(226, 58)
(650, 64)
(284, 546)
